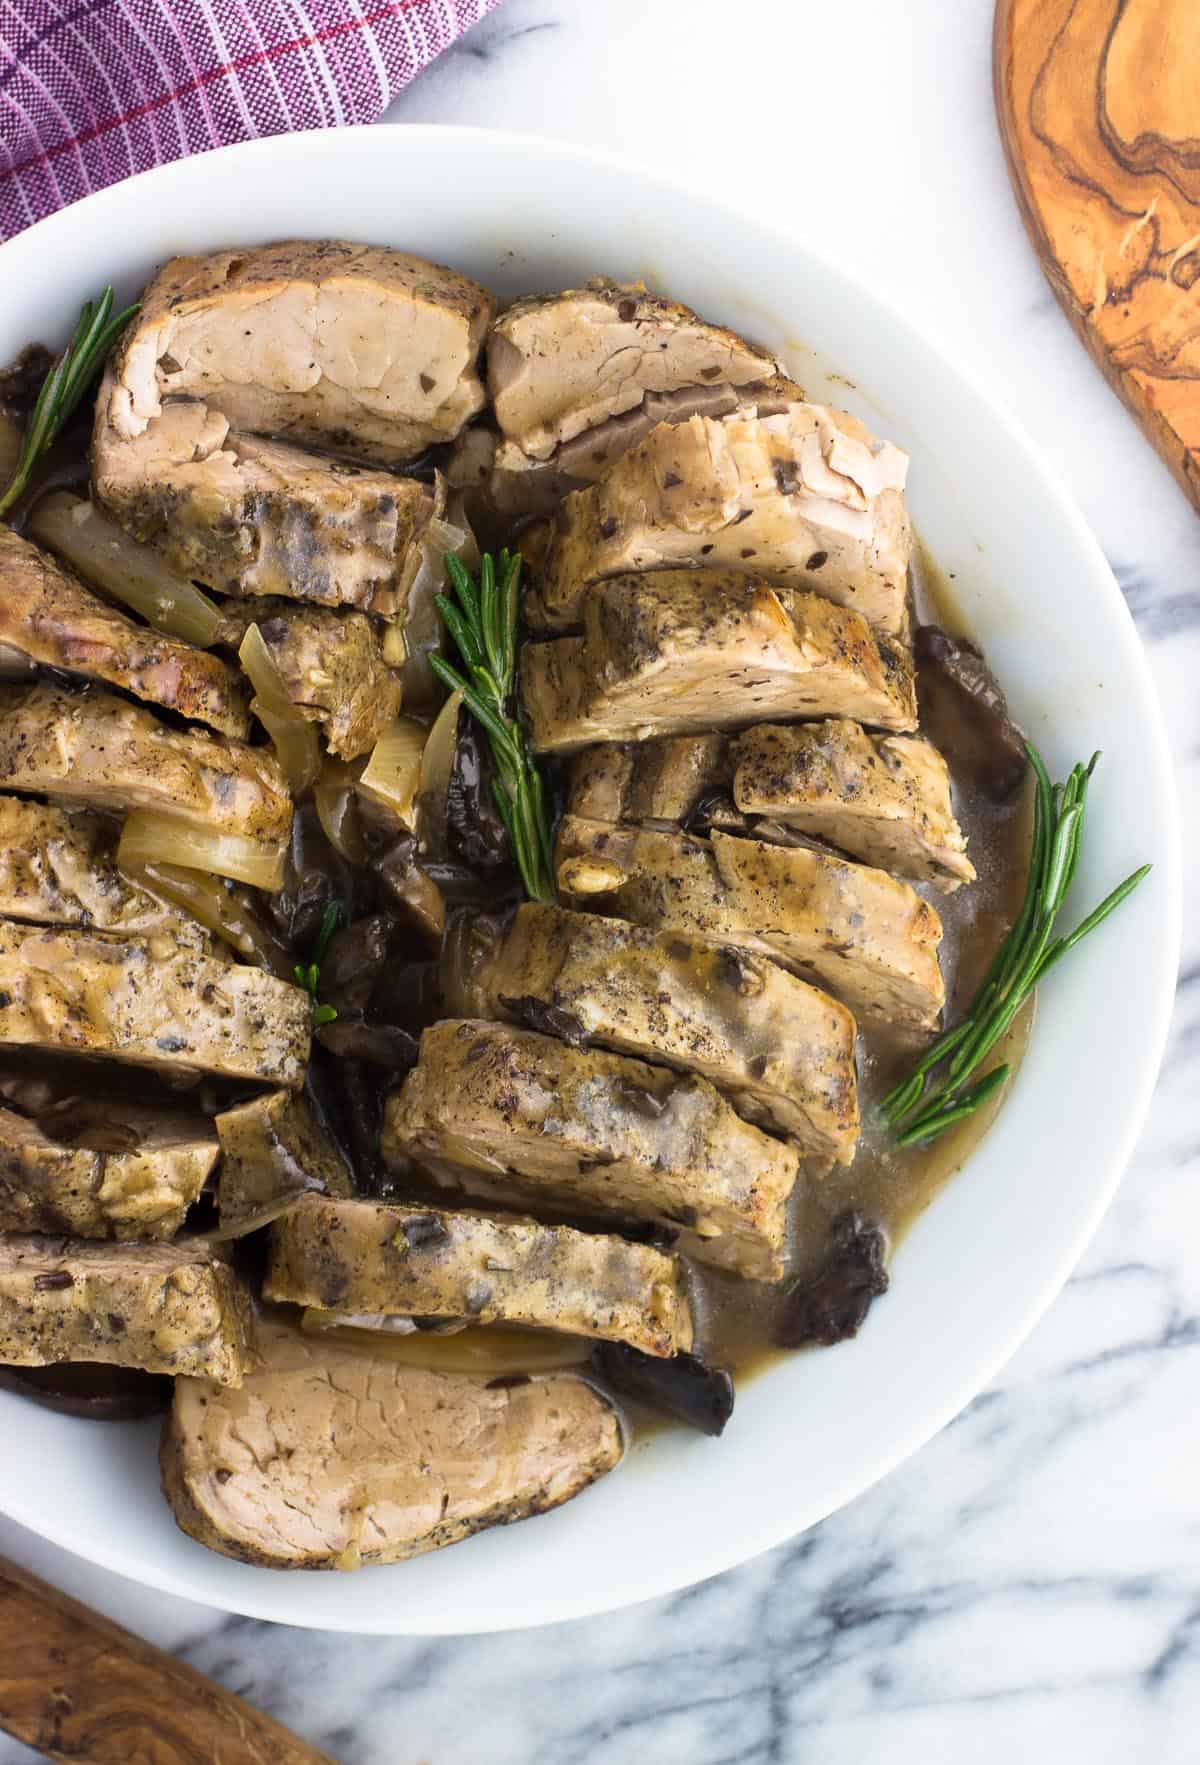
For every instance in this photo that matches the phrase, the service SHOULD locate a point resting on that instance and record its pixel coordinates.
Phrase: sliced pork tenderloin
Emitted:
(99, 751)
(781, 1050)
(330, 661)
(525, 1120)
(560, 364)
(385, 1260)
(504, 484)
(59, 867)
(807, 499)
(165, 1308)
(659, 783)
(47, 614)
(332, 1455)
(866, 937)
(688, 650)
(342, 346)
(148, 1002)
(885, 799)
(122, 1172)
(253, 517)
(274, 1151)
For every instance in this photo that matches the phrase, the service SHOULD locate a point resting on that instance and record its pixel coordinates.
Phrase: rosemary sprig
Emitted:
(1029, 951)
(482, 619)
(308, 974)
(71, 376)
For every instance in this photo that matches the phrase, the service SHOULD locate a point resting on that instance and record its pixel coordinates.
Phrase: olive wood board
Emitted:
(1099, 110)
(77, 1687)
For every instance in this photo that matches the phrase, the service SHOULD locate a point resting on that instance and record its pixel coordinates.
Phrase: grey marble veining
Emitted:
(1028, 1587)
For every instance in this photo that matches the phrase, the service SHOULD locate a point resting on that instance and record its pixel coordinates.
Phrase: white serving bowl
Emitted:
(982, 1264)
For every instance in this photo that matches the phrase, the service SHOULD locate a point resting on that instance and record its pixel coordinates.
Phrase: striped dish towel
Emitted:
(94, 90)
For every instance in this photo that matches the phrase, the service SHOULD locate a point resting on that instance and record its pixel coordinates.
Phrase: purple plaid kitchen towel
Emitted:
(94, 90)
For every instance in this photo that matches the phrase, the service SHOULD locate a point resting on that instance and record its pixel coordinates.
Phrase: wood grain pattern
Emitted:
(1099, 109)
(79, 1688)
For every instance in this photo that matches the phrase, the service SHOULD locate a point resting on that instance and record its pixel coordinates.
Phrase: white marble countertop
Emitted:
(1028, 1587)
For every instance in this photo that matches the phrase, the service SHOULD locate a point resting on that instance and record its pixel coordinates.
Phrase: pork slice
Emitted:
(330, 660)
(166, 1308)
(350, 347)
(131, 999)
(781, 1050)
(248, 516)
(126, 1172)
(386, 1260)
(586, 457)
(661, 783)
(865, 936)
(517, 1117)
(560, 364)
(882, 798)
(333, 1456)
(47, 614)
(515, 486)
(59, 867)
(687, 650)
(806, 499)
(97, 750)
(274, 1151)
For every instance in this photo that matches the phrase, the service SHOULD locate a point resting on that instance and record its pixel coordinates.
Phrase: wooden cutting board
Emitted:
(78, 1688)
(1099, 108)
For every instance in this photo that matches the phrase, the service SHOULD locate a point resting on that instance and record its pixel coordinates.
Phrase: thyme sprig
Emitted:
(1027, 954)
(72, 375)
(482, 619)
(308, 974)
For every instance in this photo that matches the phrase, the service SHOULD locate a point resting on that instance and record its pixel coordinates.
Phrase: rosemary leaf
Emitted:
(468, 596)
(913, 1111)
(331, 919)
(308, 974)
(936, 1122)
(1060, 947)
(483, 626)
(72, 375)
(462, 631)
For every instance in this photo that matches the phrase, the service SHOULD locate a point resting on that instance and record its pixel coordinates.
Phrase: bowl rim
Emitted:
(766, 1529)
